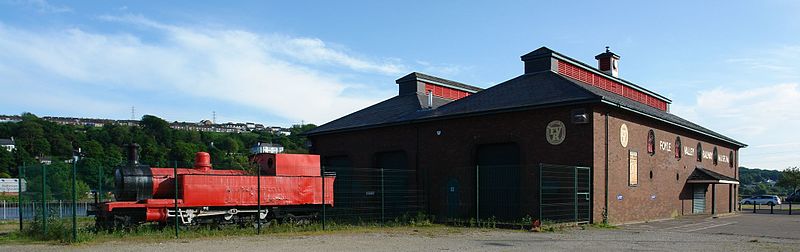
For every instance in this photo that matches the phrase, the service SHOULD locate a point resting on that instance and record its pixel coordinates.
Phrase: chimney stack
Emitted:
(608, 62)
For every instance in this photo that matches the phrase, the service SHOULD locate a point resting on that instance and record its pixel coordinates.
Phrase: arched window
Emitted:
(699, 152)
(730, 159)
(715, 157)
(651, 142)
(678, 148)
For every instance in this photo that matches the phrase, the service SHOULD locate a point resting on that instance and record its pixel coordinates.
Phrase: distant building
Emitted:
(204, 125)
(10, 119)
(8, 144)
(266, 148)
(45, 160)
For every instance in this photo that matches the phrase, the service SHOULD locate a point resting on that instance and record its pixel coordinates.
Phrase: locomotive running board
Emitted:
(188, 215)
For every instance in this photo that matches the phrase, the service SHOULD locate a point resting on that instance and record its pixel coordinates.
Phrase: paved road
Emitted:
(779, 226)
(736, 233)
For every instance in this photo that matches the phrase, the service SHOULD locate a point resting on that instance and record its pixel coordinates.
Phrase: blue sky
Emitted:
(732, 66)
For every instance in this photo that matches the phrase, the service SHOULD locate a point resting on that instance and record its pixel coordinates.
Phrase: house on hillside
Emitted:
(8, 144)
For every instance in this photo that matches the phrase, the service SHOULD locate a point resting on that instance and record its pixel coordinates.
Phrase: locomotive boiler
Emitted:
(291, 186)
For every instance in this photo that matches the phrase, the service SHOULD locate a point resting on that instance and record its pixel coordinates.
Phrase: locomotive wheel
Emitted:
(266, 223)
(296, 220)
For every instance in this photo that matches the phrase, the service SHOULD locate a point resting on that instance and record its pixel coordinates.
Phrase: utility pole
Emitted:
(133, 113)
(75, 195)
(214, 117)
(21, 175)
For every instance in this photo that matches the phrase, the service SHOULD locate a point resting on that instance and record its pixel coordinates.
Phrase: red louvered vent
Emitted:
(607, 84)
(445, 92)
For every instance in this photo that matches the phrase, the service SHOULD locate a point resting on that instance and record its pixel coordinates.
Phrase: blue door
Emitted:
(699, 199)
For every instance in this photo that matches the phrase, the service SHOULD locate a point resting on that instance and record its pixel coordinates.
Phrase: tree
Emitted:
(31, 138)
(93, 149)
(230, 145)
(183, 153)
(157, 128)
(790, 178)
(6, 162)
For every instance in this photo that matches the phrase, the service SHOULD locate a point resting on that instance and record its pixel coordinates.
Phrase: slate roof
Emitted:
(540, 89)
(615, 99)
(416, 76)
(529, 90)
(396, 109)
(703, 174)
(4, 141)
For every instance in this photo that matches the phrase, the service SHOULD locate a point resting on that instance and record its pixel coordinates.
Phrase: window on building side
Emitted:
(651, 142)
(715, 157)
(730, 159)
(699, 152)
(678, 148)
(633, 168)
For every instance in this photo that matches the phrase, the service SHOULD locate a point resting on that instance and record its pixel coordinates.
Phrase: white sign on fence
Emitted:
(11, 185)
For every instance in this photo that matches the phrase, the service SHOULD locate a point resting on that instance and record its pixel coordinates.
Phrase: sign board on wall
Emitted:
(623, 135)
(556, 132)
(633, 168)
(11, 185)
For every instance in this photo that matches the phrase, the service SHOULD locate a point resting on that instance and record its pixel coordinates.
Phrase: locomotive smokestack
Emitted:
(133, 154)
(202, 161)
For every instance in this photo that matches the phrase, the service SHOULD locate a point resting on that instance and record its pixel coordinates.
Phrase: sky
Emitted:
(731, 66)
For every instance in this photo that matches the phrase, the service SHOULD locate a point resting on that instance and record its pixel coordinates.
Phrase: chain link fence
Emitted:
(488, 195)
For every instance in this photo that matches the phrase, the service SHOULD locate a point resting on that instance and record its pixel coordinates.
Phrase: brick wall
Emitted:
(451, 154)
(673, 197)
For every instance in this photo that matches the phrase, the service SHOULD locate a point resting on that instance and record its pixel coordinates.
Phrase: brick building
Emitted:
(564, 141)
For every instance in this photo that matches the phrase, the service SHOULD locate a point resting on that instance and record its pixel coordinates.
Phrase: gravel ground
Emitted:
(454, 239)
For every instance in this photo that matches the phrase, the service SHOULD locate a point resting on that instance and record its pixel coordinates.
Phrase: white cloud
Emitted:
(765, 117)
(442, 69)
(273, 73)
(780, 61)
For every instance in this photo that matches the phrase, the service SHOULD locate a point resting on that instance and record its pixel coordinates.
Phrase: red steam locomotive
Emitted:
(291, 186)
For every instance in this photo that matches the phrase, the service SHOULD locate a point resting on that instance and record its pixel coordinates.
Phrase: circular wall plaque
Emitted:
(623, 135)
(555, 132)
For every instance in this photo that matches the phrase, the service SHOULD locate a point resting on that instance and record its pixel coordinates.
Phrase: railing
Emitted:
(786, 207)
(10, 210)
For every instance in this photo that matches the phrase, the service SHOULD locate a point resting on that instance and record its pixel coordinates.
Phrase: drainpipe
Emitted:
(605, 217)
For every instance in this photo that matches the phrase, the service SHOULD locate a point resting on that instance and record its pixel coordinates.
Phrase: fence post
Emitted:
(44, 203)
(175, 179)
(258, 192)
(771, 208)
(383, 194)
(60, 210)
(75, 197)
(20, 174)
(540, 196)
(4, 209)
(754, 206)
(323, 198)
(575, 192)
(478, 194)
(790, 208)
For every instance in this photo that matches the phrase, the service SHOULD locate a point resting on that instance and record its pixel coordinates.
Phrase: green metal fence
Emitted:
(565, 194)
(473, 195)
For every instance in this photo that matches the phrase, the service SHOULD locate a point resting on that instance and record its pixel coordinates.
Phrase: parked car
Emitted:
(761, 200)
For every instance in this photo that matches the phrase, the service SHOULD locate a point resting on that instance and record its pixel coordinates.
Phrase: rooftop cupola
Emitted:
(608, 62)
